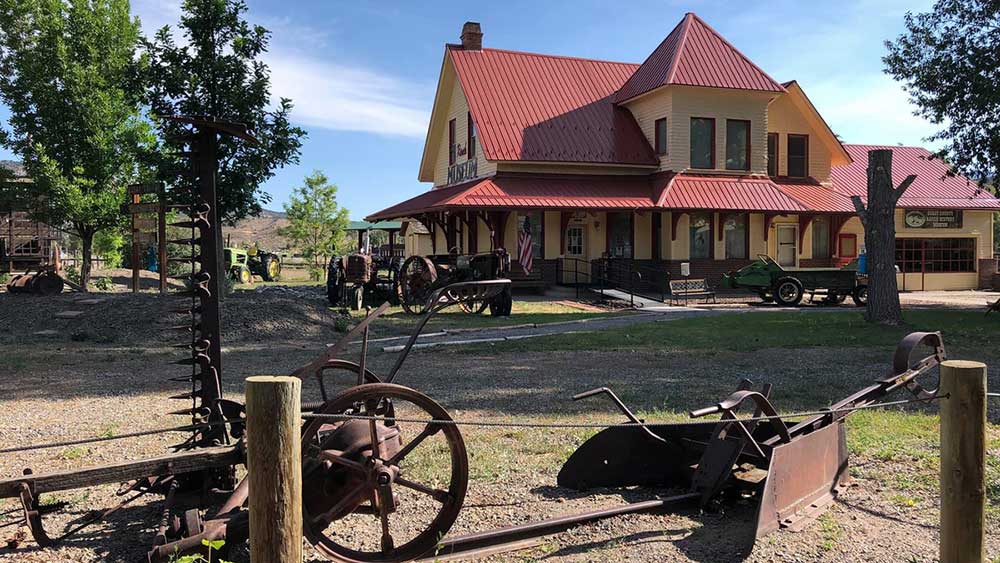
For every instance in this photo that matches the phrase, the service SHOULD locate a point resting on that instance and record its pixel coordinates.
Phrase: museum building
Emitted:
(694, 156)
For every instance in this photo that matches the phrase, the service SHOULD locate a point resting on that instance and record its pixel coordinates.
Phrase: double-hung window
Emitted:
(737, 144)
(660, 135)
(798, 156)
(702, 142)
(736, 234)
(471, 137)
(772, 154)
(700, 231)
(452, 149)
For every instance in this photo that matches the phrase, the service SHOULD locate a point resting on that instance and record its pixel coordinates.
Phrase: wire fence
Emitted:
(97, 439)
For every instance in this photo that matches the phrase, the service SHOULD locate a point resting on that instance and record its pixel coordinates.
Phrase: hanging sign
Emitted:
(139, 189)
(933, 219)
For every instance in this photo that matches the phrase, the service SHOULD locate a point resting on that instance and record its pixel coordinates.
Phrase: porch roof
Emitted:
(530, 192)
(729, 193)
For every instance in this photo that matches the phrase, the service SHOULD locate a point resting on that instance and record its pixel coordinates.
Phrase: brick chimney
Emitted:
(472, 37)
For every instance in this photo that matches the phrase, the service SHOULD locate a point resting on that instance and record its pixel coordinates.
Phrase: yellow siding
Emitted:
(646, 110)
(642, 225)
(555, 168)
(455, 107)
(551, 230)
(685, 102)
(783, 117)
(757, 243)
(483, 238)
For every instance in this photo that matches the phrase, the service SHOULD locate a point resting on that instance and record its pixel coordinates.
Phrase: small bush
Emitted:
(103, 284)
(73, 274)
(4, 278)
(315, 274)
(342, 324)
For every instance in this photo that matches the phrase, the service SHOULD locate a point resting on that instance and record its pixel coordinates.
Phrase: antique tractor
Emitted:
(352, 279)
(771, 282)
(421, 276)
(262, 263)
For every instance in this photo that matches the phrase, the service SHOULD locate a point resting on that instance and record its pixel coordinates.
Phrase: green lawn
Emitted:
(747, 332)
(396, 321)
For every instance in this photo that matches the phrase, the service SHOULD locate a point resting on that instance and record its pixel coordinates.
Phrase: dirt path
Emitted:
(81, 390)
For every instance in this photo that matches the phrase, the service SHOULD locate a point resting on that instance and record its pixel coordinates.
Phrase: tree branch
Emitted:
(898, 192)
(860, 208)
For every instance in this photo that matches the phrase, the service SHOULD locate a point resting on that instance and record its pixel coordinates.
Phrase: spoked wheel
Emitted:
(351, 490)
(416, 282)
(474, 307)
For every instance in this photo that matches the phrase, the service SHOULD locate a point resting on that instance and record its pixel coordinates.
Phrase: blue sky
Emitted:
(362, 74)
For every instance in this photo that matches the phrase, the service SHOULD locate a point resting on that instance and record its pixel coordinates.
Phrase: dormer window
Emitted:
(471, 140)
(702, 142)
(798, 156)
(737, 144)
(660, 135)
(452, 149)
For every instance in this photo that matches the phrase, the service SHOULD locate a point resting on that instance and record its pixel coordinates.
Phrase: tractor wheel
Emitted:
(356, 297)
(860, 295)
(270, 267)
(243, 275)
(417, 280)
(788, 292)
(502, 304)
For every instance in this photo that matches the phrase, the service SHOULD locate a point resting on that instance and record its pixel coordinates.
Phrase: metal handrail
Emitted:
(633, 273)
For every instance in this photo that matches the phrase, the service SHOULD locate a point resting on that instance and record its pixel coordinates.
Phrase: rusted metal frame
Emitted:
(471, 543)
(331, 352)
(441, 299)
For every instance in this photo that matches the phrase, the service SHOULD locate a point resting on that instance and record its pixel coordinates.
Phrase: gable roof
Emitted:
(694, 54)
(933, 188)
(838, 154)
(546, 108)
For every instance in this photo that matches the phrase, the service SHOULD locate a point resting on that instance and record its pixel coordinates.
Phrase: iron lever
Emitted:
(621, 406)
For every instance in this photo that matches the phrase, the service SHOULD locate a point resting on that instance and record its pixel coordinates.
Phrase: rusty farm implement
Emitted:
(373, 448)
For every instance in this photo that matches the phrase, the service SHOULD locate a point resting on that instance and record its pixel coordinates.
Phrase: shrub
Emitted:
(342, 323)
(315, 274)
(104, 284)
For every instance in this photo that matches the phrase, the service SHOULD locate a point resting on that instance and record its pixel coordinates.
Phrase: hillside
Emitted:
(262, 229)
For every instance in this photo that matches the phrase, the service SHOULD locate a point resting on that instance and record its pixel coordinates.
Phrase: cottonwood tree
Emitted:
(878, 219)
(216, 70)
(316, 224)
(67, 75)
(948, 61)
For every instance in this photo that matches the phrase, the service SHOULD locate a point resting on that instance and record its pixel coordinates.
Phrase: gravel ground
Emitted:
(58, 390)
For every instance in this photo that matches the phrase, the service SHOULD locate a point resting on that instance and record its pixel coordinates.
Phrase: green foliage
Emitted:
(217, 71)
(315, 222)
(215, 545)
(104, 284)
(4, 278)
(110, 244)
(316, 274)
(68, 75)
(947, 60)
(72, 274)
(342, 323)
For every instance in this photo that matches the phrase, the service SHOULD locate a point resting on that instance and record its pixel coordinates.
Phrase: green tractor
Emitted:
(242, 264)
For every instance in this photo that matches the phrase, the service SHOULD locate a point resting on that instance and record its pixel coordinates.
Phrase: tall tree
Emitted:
(217, 71)
(878, 219)
(949, 62)
(67, 74)
(315, 222)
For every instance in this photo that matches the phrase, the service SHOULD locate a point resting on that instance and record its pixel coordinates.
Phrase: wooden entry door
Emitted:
(576, 268)
(787, 252)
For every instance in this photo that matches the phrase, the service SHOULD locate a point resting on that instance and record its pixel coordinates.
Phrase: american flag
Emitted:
(524, 245)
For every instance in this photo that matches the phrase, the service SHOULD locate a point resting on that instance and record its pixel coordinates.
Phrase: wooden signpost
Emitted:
(147, 229)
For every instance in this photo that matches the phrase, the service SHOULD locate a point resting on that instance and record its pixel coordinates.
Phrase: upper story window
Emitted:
(660, 135)
(471, 140)
(772, 154)
(737, 144)
(452, 149)
(702, 142)
(798, 156)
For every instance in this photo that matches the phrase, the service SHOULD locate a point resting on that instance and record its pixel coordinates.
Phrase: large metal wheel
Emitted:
(350, 489)
(860, 295)
(417, 279)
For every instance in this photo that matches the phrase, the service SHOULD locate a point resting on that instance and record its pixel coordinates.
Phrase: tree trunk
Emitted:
(879, 222)
(86, 244)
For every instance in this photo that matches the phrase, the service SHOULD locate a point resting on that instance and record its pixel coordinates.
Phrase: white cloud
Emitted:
(869, 109)
(348, 98)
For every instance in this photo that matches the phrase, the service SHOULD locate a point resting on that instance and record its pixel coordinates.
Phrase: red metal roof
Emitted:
(550, 109)
(530, 192)
(933, 188)
(694, 54)
(814, 196)
(729, 193)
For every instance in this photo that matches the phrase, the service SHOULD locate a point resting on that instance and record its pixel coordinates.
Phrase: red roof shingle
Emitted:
(545, 108)
(694, 54)
(933, 188)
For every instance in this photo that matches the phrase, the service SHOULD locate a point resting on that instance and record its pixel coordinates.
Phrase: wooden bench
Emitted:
(690, 289)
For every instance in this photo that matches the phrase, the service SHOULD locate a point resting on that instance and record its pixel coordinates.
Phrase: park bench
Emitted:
(690, 289)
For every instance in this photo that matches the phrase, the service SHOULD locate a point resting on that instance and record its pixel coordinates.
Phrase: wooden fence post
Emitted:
(274, 466)
(963, 461)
